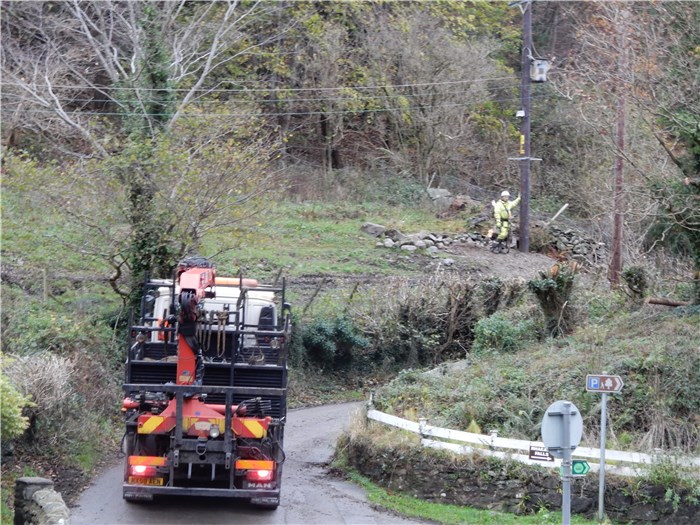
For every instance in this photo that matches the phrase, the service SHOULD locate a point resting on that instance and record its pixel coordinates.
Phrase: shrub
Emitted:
(12, 422)
(421, 322)
(500, 333)
(636, 279)
(553, 291)
(34, 327)
(45, 378)
(330, 342)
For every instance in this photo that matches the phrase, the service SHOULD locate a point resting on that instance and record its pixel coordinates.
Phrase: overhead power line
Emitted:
(265, 113)
(272, 89)
(361, 98)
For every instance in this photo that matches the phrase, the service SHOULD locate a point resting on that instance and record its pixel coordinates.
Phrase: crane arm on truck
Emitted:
(195, 284)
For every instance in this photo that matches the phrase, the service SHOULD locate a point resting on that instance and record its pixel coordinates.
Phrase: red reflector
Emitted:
(145, 471)
(260, 475)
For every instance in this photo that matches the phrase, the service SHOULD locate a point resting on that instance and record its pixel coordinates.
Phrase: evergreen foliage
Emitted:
(13, 423)
(331, 343)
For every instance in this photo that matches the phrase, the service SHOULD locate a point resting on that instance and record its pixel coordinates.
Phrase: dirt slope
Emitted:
(480, 262)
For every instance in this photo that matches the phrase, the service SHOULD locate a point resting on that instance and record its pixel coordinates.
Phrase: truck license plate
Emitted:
(135, 480)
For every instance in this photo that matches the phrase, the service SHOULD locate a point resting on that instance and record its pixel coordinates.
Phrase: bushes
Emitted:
(553, 290)
(12, 422)
(418, 322)
(328, 343)
(415, 323)
(500, 333)
(61, 352)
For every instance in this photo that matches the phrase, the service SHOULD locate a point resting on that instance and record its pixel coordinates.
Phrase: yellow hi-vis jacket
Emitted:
(501, 210)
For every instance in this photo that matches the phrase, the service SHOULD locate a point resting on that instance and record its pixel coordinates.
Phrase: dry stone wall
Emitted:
(566, 244)
(37, 503)
(488, 483)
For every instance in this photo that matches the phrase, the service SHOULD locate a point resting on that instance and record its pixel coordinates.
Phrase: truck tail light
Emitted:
(143, 471)
(260, 475)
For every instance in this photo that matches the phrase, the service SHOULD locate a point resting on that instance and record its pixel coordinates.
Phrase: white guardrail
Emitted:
(616, 461)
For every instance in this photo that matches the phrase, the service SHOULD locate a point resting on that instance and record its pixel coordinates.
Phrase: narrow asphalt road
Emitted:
(310, 495)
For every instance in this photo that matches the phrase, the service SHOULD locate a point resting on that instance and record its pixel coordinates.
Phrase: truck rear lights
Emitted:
(260, 475)
(143, 471)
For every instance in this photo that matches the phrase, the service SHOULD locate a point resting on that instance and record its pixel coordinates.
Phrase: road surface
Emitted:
(309, 494)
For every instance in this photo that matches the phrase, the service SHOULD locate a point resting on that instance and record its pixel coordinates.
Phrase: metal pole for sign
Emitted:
(601, 474)
(566, 466)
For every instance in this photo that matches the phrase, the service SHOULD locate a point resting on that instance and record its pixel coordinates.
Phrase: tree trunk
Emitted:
(666, 302)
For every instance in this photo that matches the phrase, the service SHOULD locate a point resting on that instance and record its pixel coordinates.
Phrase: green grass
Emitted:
(454, 514)
(313, 238)
(34, 238)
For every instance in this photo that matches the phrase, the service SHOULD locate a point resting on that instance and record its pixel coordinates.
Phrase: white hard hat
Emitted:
(505, 193)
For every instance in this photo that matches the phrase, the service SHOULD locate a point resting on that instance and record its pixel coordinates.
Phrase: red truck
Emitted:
(206, 388)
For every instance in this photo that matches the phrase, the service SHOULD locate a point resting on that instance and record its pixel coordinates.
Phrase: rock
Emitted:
(375, 230)
(448, 262)
(438, 193)
(408, 247)
(388, 243)
(645, 513)
(581, 505)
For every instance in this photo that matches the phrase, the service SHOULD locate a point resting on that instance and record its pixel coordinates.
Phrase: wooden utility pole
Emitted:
(525, 129)
(523, 157)
(619, 181)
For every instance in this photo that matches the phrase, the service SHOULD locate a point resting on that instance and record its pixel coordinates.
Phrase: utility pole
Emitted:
(525, 130)
(524, 151)
(619, 179)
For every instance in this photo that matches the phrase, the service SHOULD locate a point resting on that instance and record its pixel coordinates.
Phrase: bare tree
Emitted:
(429, 114)
(112, 80)
(633, 77)
(76, 60)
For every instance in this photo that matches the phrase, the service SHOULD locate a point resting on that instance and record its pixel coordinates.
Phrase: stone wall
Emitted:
(577, 247)
(508, 486)
(37, 503)
(564, 244)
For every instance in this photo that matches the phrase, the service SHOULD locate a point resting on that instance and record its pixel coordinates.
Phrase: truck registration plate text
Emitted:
(135, 480)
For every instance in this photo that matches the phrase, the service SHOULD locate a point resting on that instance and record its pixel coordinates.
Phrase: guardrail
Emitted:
(616, 461)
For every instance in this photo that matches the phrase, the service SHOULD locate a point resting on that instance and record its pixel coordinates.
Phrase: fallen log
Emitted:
(666, 302)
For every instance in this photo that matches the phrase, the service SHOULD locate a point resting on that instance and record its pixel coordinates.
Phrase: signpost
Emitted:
(605, 384)
(540, 453)
(562, 428)
(580, 467)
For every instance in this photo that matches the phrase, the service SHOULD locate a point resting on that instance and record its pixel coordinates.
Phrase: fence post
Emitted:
(494, 435)
(45, 284)
(422, 423)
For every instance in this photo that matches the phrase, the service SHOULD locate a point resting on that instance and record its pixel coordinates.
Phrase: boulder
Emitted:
(375, 230)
